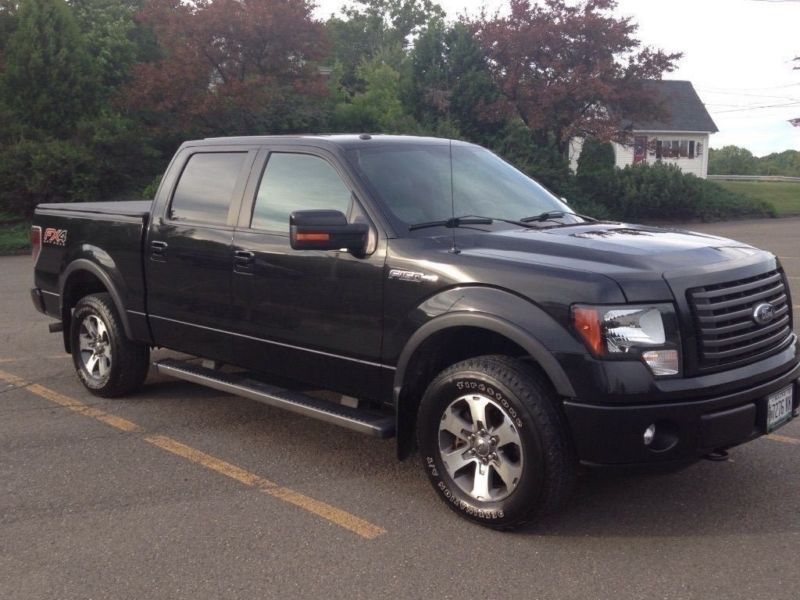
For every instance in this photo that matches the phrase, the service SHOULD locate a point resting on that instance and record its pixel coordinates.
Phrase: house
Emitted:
(680, 138)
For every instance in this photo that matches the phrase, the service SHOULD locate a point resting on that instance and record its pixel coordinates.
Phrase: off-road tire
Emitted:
(548, 465)
(129, 361)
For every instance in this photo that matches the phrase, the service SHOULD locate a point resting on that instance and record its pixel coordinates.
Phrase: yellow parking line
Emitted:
(335, 515)
(784, 438)
(51, 357)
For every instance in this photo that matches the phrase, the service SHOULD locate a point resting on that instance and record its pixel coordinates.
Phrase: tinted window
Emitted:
(297, 182)
(414, 183)
(206, 187)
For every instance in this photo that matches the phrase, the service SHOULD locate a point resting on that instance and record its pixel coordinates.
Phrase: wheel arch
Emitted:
(450, 338)
(83, 277)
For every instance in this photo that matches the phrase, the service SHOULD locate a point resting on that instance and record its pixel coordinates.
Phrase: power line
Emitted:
(707, 91)
(719, 112)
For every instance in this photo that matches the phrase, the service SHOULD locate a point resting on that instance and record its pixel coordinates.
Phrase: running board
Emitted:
(370, 423)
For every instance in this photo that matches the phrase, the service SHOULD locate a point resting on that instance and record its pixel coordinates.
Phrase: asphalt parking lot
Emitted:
(184, 492)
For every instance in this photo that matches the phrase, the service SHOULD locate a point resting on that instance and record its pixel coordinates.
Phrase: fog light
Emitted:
(662, 362)
(649, 434)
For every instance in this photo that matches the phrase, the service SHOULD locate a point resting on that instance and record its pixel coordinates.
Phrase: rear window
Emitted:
(206, 187)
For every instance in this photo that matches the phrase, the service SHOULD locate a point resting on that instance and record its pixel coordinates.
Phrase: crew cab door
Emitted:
(310, 315)
(188, 256)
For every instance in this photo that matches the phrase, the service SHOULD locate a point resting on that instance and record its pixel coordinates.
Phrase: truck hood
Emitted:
(637, 257)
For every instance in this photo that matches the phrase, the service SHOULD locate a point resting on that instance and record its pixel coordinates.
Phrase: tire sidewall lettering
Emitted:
(467, 385)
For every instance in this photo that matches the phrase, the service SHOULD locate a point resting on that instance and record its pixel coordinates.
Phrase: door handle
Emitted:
(158, 250)
(243, 260)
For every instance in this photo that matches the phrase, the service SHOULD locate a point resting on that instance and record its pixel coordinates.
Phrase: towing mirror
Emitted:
(326, 230)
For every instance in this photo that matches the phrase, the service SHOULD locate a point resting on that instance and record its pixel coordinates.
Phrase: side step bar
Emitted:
(370, 423)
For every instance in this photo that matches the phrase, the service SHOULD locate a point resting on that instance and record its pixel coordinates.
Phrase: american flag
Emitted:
(795, 122)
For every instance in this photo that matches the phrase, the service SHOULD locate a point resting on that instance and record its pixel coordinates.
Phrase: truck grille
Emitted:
(728, 334)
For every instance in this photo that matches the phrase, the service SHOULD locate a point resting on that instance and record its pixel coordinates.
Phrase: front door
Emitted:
(188, 251)
(313, 316)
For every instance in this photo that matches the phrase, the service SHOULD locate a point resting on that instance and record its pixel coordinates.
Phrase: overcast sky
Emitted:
(737, 53)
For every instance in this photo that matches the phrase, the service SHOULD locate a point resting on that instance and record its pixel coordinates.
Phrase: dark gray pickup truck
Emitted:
(446, 298)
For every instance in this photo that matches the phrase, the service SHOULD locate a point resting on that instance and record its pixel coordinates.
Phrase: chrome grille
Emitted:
(727, 333)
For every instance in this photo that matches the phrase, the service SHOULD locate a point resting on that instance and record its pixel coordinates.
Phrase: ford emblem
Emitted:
(763, 313)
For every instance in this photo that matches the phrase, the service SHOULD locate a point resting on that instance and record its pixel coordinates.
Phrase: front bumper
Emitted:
(613, 435)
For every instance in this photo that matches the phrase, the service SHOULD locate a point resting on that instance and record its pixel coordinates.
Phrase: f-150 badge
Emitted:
(412, 276)
(55, 237)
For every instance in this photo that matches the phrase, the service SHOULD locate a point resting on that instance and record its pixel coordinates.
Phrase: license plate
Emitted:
(779, 408)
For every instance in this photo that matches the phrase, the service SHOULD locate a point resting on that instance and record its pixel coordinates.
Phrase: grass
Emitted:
(783, 195)
(14, 234)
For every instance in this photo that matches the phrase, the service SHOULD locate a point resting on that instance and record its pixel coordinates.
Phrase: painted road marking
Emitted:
(53, 357)
(784, 438)
(335, 515)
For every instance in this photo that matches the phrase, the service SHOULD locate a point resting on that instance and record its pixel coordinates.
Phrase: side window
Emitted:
(206, 187)
(296, 182)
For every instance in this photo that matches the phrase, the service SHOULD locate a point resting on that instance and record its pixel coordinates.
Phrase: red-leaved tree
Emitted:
(230, 67)
(570, 69)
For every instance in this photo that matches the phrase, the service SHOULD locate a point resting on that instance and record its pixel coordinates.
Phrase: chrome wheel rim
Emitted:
(94, 346)
(481, 448)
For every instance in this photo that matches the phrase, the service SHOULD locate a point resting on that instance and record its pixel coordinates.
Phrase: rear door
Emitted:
(314, 316)
(188, 255)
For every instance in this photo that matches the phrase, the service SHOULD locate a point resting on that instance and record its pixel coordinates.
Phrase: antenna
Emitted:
(454, 249)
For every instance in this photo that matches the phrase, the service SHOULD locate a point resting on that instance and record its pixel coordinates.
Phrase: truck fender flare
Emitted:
(83, 264)
(493, 323)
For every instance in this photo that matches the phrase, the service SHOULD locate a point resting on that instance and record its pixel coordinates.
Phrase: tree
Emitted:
(449, 80)
(378, 108)
(732, 160)
(8, 24)
(110, 31)
(230, 67)
(49, 81)
(370, 27)
(570, 69)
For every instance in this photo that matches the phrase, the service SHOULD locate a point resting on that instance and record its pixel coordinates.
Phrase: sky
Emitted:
(737, 53)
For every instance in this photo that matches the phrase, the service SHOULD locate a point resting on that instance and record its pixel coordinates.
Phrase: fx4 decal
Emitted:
(55, 237)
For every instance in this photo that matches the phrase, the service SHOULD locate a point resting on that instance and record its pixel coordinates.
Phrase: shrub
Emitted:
(664, 192)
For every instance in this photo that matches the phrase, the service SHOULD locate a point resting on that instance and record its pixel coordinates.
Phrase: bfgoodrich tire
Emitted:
(493, 442)
(107, 362)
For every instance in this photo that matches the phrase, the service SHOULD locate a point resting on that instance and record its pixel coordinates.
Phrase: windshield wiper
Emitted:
(552, 215)
(451, 223)
(467, 220)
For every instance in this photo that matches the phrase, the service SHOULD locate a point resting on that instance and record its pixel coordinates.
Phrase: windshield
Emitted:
(413, 182)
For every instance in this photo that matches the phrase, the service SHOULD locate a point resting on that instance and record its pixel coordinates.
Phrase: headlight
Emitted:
(631, 332)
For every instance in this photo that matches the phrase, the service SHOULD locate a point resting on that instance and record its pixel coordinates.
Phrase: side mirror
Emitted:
(326, 230)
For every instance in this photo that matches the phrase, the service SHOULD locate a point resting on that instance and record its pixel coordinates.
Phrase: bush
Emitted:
(664, 192)
(35, 171)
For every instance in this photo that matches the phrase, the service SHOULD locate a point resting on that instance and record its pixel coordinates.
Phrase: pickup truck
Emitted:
(426, 289)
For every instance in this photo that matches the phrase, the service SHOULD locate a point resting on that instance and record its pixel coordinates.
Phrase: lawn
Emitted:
(14, 235)
(783, 195)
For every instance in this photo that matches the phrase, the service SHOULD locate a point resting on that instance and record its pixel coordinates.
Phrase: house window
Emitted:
(691, 149)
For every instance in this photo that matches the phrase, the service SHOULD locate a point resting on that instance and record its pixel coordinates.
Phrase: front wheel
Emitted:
(493, 443)
(108, 363)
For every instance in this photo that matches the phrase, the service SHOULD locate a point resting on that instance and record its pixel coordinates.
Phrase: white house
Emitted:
(681, 138)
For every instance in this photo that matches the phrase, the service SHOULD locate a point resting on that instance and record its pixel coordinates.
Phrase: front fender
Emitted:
(501, 312)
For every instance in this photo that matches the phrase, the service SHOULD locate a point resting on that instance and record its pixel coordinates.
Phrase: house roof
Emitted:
(685, 111)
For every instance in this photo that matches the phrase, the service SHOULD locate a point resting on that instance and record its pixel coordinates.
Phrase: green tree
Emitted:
(370, 27)
(732, 160)
(112, 36)
(449, 79)
(49, 80)
(378, 108)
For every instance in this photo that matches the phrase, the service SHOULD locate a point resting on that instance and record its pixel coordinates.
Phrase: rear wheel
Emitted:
(108, 363)
(493, 443)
